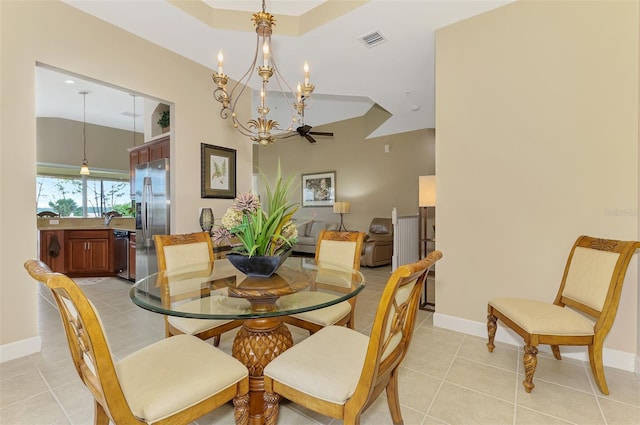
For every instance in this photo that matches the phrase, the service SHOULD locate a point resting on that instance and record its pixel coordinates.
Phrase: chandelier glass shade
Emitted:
(84, 168)
(261, 129)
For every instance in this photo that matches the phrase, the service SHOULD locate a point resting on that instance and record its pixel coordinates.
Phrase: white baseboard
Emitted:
(611, 358)
(21, 348)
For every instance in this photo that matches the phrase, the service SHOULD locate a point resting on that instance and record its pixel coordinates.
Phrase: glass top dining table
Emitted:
(219, 291)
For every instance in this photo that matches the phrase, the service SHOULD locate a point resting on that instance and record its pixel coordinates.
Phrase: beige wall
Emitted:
(371, 180)
(58, 35)
(537, 143)
(59, 141)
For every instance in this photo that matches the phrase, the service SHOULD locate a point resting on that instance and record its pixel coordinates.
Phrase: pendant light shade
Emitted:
(84, 169)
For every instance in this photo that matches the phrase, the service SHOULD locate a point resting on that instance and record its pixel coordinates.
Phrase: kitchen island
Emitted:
(85, 247)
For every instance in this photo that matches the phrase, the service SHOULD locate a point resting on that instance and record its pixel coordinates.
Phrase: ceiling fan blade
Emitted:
(321, 133)
(310, 139)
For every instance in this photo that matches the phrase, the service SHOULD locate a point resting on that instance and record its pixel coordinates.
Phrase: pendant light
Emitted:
(134, 119)
(84, 169)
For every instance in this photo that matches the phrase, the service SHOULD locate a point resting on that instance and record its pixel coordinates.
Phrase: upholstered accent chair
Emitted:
(581, 314)
(378, 245)
(339, 372)
(173, 381)
(342, 249)
(177, 252)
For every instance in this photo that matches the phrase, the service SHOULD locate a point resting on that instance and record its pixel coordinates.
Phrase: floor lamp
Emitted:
(341, 208)
(426, 202)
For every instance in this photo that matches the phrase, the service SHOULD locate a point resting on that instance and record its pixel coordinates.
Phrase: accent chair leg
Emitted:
(555, 349)
(530, 363)
(597, 369)
(100, 417)
(393, 398)
(271, 408)
(241, 409)
(491, 330)
(216, 340)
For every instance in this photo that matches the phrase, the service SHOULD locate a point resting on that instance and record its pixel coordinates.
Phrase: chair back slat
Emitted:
(393, 324)
(87, 341)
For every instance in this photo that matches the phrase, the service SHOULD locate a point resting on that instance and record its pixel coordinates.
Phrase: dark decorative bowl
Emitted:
(257, 266)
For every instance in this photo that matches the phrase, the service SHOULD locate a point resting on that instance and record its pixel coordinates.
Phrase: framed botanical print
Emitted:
(217, 172)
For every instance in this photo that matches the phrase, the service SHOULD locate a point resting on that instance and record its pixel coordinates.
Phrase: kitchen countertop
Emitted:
(63, 223)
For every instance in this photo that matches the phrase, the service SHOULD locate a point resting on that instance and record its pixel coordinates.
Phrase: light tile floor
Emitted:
(446, 378)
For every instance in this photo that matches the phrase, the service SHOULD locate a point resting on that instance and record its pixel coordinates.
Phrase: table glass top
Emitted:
(219, 291)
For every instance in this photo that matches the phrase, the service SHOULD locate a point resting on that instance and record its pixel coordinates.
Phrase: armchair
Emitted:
(378, 244)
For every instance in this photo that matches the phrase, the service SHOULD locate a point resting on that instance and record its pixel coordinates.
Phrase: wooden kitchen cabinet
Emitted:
(52, 242)
(88, 253)
(132, 256)
(147, 152)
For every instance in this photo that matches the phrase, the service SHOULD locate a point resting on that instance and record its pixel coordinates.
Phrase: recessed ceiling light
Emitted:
(69, 82)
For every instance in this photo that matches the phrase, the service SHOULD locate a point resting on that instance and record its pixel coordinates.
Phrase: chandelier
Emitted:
(261, 129)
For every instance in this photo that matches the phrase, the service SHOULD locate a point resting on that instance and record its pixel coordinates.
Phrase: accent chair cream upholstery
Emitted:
(339, 372)
(173, 381)
(581, 314)
(177, 252)
(341, 249)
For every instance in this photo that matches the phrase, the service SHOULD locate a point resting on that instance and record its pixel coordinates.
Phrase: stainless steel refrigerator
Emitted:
(153, 203)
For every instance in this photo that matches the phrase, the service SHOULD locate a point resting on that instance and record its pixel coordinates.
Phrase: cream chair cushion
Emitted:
(537, 317)
(326, 366)
(589, 276)
(150, 376)
(337, 252)
(324, 316)
(182, 255)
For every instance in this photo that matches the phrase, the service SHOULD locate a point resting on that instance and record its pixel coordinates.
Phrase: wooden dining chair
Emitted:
(339, 372)
(173, 381)
(581, 314)
(342, 249)
(178, 252)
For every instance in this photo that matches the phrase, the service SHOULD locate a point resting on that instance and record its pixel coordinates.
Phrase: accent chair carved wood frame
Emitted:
(583, 292)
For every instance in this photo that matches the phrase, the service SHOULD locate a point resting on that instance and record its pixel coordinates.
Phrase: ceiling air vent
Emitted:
(372, 39)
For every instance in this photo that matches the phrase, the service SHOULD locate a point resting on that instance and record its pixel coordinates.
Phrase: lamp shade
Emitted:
(341, 207)
(427, 191)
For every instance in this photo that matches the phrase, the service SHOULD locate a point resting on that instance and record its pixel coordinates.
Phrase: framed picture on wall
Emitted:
(319, 189)
(217, 172)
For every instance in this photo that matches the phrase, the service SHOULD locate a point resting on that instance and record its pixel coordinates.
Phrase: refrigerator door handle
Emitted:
(146, 191)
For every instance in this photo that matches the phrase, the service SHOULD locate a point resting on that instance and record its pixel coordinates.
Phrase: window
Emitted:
(65, 196)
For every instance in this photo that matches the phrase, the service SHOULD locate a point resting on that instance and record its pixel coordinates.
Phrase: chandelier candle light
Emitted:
(262, 130)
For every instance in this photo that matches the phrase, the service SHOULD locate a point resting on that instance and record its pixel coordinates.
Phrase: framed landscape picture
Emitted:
(319, 189)
(217, 172)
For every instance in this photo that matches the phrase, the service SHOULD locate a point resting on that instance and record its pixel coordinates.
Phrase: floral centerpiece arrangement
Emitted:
(260, 232)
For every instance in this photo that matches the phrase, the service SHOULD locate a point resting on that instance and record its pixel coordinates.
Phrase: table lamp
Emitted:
(341, 208)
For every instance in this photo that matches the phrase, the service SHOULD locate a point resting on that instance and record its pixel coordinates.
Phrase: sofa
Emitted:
(308, 235)
(377, 249)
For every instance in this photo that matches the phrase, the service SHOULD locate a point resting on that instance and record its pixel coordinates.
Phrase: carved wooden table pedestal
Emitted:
(257, 343)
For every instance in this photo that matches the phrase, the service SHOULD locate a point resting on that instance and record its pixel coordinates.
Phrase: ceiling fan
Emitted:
(305, 131)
